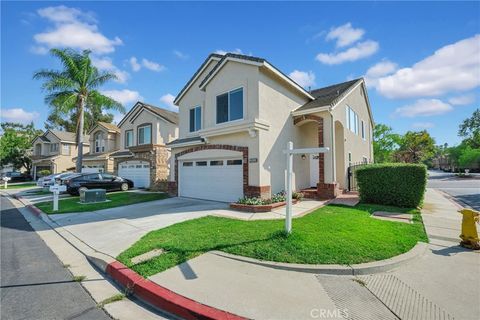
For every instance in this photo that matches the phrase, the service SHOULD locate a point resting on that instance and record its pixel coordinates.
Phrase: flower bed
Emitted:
(264, 205)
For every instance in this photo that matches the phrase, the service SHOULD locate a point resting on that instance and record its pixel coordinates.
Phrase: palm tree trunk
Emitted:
(80, 136)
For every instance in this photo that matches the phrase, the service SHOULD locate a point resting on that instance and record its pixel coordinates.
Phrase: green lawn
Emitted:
(17, 185)
(330, 235)
(117, 199)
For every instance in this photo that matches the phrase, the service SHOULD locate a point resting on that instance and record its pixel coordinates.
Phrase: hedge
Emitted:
(396, 184)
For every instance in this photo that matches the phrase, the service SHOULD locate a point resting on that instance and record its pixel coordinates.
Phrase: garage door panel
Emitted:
(137, 171)
(220, 183)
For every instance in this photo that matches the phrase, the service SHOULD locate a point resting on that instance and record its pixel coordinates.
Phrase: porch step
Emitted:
(310, 193)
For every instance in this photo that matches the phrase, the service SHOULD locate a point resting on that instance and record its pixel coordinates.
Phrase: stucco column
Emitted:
(321, 156)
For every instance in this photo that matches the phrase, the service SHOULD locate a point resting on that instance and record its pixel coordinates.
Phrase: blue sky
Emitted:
(421, 60)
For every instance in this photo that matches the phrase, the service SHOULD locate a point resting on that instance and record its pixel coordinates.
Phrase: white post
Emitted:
(6, 185)
(55, 200)
(288, 216)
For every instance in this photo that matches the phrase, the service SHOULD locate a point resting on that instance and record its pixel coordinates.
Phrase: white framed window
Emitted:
(99, 142)
(364, 159)
(53, 147)
(195, 119)
(128, 138)
(144, 133)
(230, 106)
(65, 149)
(352, 120)
(363, 130)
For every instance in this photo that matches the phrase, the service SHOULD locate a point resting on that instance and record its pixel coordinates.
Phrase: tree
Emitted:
(469, 129)
(93, 114)
(385, 142)
(470, 158)
(415, 147)
(74, 89)
(16, 143)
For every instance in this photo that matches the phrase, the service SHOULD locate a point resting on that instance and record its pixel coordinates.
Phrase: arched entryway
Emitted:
(340, 168)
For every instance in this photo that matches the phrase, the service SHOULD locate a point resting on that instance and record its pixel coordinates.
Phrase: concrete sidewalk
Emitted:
(441, 283)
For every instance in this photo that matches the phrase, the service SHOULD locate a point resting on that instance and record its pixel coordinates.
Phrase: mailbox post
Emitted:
(5, 181)
(56, 189)
(290, 152)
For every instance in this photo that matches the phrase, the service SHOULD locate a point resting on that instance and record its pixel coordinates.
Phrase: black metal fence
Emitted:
(352, 177)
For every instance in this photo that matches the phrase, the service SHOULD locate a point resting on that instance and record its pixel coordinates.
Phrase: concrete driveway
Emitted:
(111, 231)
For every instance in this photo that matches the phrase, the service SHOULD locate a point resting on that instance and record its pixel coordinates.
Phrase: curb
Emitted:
(336, 269)
(145, 290)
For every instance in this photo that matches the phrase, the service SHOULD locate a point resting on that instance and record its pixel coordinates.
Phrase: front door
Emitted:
(314, 170)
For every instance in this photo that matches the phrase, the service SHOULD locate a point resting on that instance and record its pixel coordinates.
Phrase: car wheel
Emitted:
(81, 189)
(124, 186)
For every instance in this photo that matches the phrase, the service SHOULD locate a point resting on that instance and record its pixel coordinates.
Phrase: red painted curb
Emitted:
(164, 298)
(34, 210)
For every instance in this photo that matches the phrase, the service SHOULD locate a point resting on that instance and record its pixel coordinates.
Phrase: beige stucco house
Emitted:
(237, 114)
(142, 155)
(54, 151)
(104, 140)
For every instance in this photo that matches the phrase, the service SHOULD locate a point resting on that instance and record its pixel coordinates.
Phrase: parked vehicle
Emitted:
(96, 180)
(50, 180)
(17, 176)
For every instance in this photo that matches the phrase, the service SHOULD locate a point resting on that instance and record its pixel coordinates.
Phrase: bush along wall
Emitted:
(396, 184)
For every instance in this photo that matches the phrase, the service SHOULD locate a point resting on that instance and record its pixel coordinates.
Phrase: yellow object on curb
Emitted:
(469, 234)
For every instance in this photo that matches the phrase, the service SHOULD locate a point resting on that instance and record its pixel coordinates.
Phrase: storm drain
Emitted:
(354, 300)
(404, 301)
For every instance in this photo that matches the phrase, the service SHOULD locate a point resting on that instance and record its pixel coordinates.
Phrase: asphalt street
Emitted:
(34, 283)
(466, 191)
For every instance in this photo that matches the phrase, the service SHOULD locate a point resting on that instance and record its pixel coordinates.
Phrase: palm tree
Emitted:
(74, 88)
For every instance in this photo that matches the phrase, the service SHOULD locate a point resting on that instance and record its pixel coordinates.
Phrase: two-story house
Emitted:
(143, 156)
(237, 114)
(104, 140)
(54, 151)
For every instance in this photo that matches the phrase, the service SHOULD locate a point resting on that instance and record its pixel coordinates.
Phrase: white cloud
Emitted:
(39, 50)
(423, 125)
(18, 115)
(167, 100)
(134, 64)
(222, 52)
(73, 28)
(152, 65)
(381, 69)
(345, 35)
(359, 51)
(303, 78)
(124, 96)
(452, 68)
(423, 107)
(462, 100)
(180, 55)
(106, 63)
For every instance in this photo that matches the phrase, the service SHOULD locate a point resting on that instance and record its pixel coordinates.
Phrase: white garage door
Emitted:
(212, 179)
(137, 171)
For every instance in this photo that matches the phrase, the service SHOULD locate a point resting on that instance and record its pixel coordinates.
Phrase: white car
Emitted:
(50, 180)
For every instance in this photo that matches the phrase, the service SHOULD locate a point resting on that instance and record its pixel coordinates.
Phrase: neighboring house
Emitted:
(237, 114)
(104, 140)
(54, 151)
(144, 132)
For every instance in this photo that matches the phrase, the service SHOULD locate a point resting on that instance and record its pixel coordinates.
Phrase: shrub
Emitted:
(277, 197)
(396, 184)
(44, 173)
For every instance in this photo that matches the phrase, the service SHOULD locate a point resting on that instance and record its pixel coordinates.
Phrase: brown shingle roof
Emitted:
(170, 116)
(68, 136)
(109, 126)
(328, 95)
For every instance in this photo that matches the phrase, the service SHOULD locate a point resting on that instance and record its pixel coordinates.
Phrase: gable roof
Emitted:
(169, 116)
(328, 96)
(63, 136)
(108, 126)
(212, 56)
(260, 62)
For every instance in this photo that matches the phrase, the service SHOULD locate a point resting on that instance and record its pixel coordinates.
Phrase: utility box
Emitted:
(92, 195)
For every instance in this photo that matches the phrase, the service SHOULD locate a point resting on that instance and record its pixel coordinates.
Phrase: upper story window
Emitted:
(230, 106)
(128, 138)
(38, 149)
(195, 119)
(144, 134)
(53, 147)
(65, 149)
(99, 142)
(364, 134)
(352, 120)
